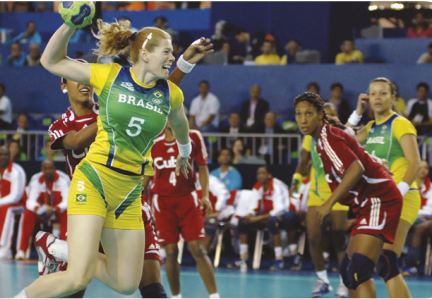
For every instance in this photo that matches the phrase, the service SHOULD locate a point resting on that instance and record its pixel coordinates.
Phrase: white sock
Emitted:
(214, 295)
(177, 296)
(293, 249)
(22, 294)
(59, 250)
(278, 252)
(244, 249)
(323, 276)
(340, 280)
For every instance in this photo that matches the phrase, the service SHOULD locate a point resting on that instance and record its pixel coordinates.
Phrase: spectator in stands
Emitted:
(16, 58)
(426, 57)
(313, 87)
(5, 109)
(240, 47)
(292, 48)
(33, 57)
(162, 23)
(253, 110)
(268, 54)
(204, 109)
(419, 109)
(295, 54)
(234, 128)
(272, 148)
(12, 197)
(228, 174)
(243, 155)
(349, 54)
(271, 213)
(336, 98)
(47, 202)
(30, 36)
(420, 27)
(16, 151)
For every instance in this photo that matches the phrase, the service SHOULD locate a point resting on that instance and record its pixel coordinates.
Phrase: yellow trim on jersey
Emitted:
(307, 143)
(176, 96)
(99, 74)
(148, 169)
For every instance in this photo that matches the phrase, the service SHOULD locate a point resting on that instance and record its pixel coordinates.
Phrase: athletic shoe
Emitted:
(278, 265)
(5, 253)
(297, 263)
(243, 267)
(46, 262)
(321, 288)
(342, 291)
(20, 255)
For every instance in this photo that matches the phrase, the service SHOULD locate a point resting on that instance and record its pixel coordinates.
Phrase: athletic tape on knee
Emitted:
(153, 290)
(360, 270)
(387, 266)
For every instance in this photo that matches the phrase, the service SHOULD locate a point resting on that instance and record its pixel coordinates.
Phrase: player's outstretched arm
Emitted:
(54, 57)
(191, 56)
(180, 127)
(79, 140)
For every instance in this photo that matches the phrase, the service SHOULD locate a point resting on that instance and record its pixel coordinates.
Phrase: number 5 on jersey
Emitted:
(134, 126)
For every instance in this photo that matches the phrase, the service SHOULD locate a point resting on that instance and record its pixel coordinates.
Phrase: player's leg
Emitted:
(121, 266)
(273, 224)
(150, 285)
(204, 266)
(314, 233)
(363, 252)
(84, 233)
(172, 268)
(388, 267)
(192, 230)
(339, 240)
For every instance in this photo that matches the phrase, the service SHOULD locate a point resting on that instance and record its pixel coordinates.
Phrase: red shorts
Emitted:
(151, 251)
(379, 216)
(178, 215)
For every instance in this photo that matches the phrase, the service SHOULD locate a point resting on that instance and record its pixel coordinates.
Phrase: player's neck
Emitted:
(224, 168)
(382, 115)
(81, 109)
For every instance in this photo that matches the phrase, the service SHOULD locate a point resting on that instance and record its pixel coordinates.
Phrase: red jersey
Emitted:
(425, 189)
(69, 121)
(337, 150)
(164, 154)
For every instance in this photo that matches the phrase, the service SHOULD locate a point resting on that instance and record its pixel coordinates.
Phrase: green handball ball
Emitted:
(77, 14)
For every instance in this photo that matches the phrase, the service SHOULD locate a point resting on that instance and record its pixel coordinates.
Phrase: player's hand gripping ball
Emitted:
(77, 14)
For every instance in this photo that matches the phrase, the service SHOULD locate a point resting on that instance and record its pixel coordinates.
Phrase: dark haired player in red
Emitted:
(358, 180)
(177, 207)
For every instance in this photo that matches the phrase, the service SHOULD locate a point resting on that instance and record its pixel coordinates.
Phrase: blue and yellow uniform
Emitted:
(383, 141)
(319, 190)
(108, 181)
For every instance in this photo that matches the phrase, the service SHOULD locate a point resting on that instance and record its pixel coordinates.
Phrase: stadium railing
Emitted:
(258, 148)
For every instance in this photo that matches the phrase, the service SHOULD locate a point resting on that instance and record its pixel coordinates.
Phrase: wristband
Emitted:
(185, 149)
(184, 66)
(354, 118)
(403, 188)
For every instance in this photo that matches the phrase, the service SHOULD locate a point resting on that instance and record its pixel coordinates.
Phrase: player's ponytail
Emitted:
(115, 39)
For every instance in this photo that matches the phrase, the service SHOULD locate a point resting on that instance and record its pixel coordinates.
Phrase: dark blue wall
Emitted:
(35, 90)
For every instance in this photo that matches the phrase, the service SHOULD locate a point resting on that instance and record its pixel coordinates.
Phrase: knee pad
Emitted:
(339, 240)
(344, 270)
(153, 290)
(360, 269)
(273, 225)
(387, 266)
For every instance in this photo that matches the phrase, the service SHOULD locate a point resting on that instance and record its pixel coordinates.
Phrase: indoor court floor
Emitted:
(231, 283)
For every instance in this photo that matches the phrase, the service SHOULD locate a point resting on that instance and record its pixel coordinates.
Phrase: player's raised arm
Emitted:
(54, 58)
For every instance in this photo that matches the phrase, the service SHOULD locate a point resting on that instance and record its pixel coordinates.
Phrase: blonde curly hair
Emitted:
(116, 39)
